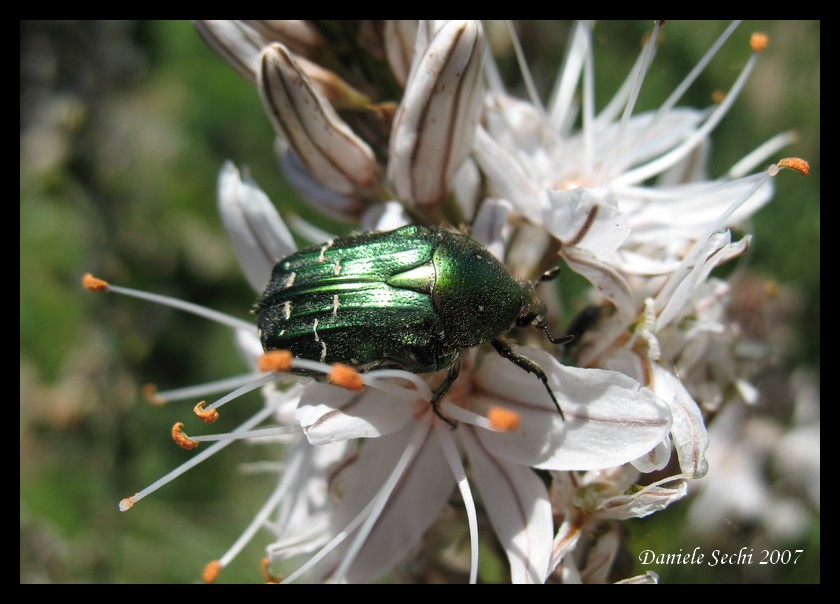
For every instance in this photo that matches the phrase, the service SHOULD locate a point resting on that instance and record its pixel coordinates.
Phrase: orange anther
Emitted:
(150, 394)
(208, 416)
(346, 377)
(795, 163)
(503, 419)
(182, 439)
(275, 360)
(211, 571)
(759, 41)
(95, 285)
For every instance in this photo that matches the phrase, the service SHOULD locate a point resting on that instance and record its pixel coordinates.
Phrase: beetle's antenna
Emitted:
(555, 340)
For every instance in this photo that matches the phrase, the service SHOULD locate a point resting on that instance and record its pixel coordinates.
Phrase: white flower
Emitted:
(624, 201)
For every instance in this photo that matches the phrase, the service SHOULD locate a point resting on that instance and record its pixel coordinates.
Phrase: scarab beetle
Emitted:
(412, 298)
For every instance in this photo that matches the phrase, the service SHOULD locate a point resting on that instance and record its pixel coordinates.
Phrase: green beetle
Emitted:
(412, 298)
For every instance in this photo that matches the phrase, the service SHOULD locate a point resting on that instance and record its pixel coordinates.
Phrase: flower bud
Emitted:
(435, 124)
(241, 42)
(301, 114)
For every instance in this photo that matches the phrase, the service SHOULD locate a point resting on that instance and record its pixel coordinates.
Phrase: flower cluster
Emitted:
(387, 124)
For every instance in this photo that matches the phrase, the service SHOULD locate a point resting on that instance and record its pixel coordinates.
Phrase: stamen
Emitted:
(98, 285)
(470, 417)
(127, 503)
(382, 497)
(503, 420)
(208, 416)
(211, 571)
(275, 360)
(198, 390)
(150, 393)
(679, 91)
(249, 434)
(346, 377)
(450, 451)
(265, 568)
(795, 163)
(761, 153)
(372, 509)
(95, 285)
(718, 96)
(182, 439)
(289, 476)
(631, 103)
(759, 41)
(526, 73)
(663, 162)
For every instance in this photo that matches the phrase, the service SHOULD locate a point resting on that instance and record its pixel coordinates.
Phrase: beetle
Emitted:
(412, 298)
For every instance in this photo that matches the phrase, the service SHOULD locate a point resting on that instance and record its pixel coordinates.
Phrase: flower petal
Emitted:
(517, 503)
(609, 418)
(491, 227)
(415, 502)
(329, 414)
(258, 234)
(587, 219)
(689, 430)
(650, 499)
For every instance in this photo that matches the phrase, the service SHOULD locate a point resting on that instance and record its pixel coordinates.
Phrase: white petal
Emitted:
(675, 298)
(688, 431)
(517, 502)
(610, 418)
(606, 279)
(343, 207)
(384, 217)
(506, 176)
(491, 227)
(652, 498)
(655, 459)
(258, 234)
(416, 501)
(328, 413)
(587, 219)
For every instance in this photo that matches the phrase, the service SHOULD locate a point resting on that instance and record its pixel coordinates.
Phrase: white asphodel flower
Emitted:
(377, 465)
(646, 248)
(623, 200)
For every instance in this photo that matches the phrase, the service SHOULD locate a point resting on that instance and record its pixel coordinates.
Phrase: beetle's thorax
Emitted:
(476, 299)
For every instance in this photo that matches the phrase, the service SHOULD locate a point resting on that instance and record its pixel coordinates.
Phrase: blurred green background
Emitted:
(123, 128)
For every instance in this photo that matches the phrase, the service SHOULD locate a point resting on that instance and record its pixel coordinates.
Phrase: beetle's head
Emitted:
(534, 311)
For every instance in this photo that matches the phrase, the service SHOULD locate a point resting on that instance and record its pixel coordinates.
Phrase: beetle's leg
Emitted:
(444, 387)
(529, 366)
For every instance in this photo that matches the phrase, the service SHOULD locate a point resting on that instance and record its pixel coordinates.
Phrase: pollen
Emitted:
(759, 41)
(208, 416)
(126, 503)
(265, 568)
(346, 377)
(275, 360)
(182, 439)
(211, 571)
(503, 419)
(95, 285)
(718, 96)
(150, 394)
(795, 163)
